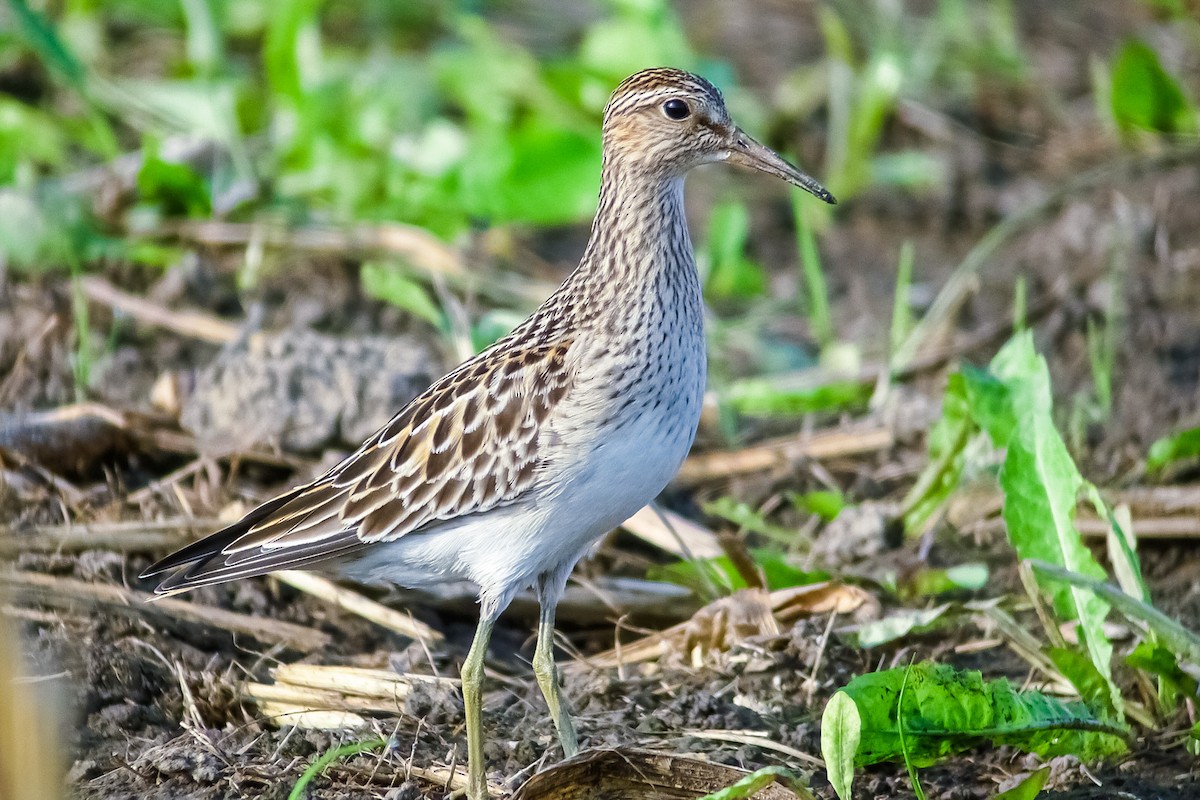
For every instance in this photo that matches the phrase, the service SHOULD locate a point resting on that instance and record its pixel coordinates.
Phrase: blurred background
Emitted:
(221, 221)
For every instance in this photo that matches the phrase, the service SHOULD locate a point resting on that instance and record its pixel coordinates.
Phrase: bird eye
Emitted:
(676, 109)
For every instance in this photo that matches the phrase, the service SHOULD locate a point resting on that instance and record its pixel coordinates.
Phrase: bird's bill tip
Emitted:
(752, 154)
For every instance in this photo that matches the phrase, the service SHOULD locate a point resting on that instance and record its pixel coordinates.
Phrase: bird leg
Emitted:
(472, 685)
(547, 677)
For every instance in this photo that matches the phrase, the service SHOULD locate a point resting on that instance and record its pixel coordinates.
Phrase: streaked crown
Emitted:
(666, 118)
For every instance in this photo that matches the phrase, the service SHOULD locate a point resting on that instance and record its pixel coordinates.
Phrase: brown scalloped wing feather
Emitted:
(468, 444)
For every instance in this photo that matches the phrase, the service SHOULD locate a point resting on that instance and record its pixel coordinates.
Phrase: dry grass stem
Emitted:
(120, 537)
(332, 697)
(673, 533)
(355, 603)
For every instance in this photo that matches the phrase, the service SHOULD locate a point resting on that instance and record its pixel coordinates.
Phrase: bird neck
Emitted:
(639, 247)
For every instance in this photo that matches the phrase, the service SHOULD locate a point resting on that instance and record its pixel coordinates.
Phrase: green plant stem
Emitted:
(327, 758)
(816, 291)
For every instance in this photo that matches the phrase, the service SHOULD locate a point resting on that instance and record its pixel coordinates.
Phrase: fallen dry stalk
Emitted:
(121, 537)
(416, 245)
(1158, 512)
(785, 452)
(334, 698)
(355, 603)
(673, 533)
(67, 593)
(193, 324)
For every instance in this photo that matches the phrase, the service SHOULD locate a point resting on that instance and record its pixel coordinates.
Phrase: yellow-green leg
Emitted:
(547, 677)
(472, 687)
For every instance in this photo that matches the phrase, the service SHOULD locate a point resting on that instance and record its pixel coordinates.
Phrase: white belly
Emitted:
(506, 549)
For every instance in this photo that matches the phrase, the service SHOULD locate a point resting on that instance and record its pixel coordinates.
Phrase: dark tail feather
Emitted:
(214, 543)
(219, 568)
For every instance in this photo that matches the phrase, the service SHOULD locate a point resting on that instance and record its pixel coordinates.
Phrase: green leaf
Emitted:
(762, 396)
(387, 283)
(899, 624)
(1177, 447)
(947, 445)
(300, 788)
(1041, 485)
(841, 730)
(1183, 642)
(41, 37)
(777, 570)
(1145, 96)
(947, 711)
(176, 187)
(1160, 661)
(931, 581)
(1028, 788)
(826, 505)
(758, 780)
(747, 518)
(730, 273)
(1121, 544)
(289, 49)
(1077, 668)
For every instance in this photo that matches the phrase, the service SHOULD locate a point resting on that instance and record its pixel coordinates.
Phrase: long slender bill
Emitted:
(749, 153)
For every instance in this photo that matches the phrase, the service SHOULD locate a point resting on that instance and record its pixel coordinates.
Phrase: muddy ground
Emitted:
(119, 679)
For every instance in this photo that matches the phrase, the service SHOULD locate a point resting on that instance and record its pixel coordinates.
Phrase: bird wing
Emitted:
(468, 444)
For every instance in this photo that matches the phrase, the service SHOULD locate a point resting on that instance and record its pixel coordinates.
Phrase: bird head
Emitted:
(668, 121)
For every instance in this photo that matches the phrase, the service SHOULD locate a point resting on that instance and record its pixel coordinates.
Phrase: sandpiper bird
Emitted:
(507, 470)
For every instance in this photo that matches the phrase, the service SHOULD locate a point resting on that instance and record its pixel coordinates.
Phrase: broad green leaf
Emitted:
(1177, 447)
(1145, 96)
(28, 137)
(730, 273)
(177, 188)
(931, 581)
(947, 711)
(290, 50)
(841, 730)
(1077, 668)
(1041, 486)
(989, 403)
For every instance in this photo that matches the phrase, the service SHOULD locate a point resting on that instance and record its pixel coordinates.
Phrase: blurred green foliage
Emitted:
(1144, 95)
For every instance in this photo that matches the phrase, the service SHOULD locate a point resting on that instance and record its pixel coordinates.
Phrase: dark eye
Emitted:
(676, 109)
